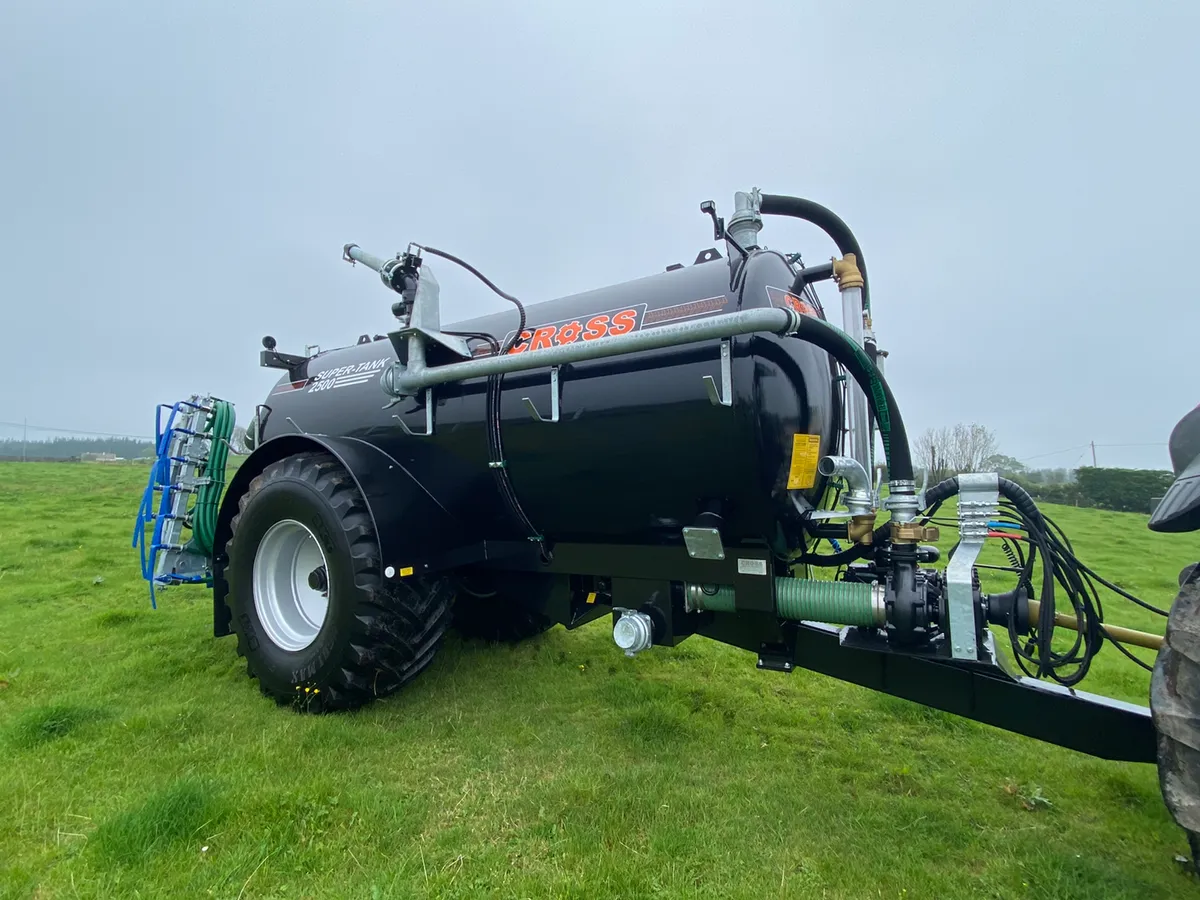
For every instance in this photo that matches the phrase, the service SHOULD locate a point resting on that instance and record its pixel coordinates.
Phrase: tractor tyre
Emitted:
(500, 609)
(318, 625)
(1175, 709)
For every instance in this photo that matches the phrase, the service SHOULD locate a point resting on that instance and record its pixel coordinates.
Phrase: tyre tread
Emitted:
(396, 629)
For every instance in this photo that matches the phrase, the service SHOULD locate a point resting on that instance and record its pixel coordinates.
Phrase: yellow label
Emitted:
(591, 598)
(806, 451)
(406, 571)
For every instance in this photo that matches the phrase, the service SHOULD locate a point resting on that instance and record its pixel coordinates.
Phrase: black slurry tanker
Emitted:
(673, 452)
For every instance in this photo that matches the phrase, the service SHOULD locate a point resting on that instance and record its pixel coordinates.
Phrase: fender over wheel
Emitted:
(319, 626)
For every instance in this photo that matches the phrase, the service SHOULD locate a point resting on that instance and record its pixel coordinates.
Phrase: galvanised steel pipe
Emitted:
(407, 381)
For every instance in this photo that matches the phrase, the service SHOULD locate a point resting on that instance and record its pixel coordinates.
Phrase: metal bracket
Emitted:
(725, 396)
(776, 657)
(453, 343)
(555, 394)
(428, 417)
(978, 496)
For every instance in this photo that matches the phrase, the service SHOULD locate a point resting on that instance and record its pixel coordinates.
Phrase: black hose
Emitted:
(941, 491)
(879, 396)
(1061, 568)
(516, 338)
(496, 460)
(825, 219)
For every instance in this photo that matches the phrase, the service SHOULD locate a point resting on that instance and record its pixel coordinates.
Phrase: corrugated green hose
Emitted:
(208, 495)
(835, 602)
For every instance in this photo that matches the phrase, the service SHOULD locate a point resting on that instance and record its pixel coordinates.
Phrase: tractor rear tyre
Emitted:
(501, 609)
(319, 627)
(1175, 709)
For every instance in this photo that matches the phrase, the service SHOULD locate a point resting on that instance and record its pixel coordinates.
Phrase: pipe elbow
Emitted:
(850, 469)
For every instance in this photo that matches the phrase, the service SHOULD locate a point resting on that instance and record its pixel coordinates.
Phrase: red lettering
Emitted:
(569, 333)
(800, 306)
(597, 327)
(624, 321)
(541, 338)
(524, 345)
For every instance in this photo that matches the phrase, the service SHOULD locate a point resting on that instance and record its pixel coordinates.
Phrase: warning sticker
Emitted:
(806, 452)
(780, 297)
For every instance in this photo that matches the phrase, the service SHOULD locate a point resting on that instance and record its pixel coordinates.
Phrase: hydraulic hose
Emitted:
(825, 219)
(943, 490)
(883, 405)
(1008, 489)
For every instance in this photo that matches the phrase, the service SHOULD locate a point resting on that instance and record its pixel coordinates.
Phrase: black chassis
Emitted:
(590, 580)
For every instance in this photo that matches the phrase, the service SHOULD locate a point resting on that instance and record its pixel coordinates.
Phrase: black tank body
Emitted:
(639, 450)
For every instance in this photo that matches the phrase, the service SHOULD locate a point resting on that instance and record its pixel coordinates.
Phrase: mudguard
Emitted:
(1179, 509)
(412, 527)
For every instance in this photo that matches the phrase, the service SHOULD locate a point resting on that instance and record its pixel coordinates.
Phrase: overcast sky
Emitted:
(178, 179)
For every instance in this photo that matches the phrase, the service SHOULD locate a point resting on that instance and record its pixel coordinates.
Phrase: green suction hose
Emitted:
(208, 495)
(798, 599)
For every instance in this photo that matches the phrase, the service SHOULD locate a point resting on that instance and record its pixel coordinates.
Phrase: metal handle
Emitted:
(555, 393)
(428, 417)
(723, 397)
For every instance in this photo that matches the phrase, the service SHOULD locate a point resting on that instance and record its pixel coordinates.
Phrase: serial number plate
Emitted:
(752, 567)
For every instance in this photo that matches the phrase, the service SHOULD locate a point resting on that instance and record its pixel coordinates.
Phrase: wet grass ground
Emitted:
(137, 760)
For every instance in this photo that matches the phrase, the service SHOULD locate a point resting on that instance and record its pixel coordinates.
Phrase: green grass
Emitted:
(137, 760)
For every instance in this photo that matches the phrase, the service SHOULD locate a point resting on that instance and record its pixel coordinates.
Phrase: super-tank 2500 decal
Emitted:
(348, 376)
(338, 377)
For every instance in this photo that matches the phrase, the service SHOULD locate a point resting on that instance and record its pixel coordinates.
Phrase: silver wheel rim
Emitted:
(290, 609)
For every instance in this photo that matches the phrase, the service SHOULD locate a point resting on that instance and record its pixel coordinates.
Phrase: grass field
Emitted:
(139, 761)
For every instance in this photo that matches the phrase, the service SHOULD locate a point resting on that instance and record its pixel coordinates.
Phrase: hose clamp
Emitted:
(794, 321)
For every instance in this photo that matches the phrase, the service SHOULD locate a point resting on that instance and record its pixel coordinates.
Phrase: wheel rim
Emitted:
(291, 593)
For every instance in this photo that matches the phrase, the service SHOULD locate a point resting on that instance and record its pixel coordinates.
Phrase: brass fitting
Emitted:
(846, 274)
(913, 533)
(861, 529)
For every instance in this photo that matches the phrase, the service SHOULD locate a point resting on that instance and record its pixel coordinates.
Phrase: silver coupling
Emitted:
(633, 631)
(879, 604)
(902, 501)
(746, 221)
(387, 380)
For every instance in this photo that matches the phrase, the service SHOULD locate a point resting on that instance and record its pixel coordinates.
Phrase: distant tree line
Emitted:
(943, 452)
(1123, 490)
(72, 447)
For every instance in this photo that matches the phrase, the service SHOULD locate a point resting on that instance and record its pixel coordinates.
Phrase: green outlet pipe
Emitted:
(800, 599)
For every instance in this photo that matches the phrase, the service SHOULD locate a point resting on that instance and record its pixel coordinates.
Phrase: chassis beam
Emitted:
(980, 690)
